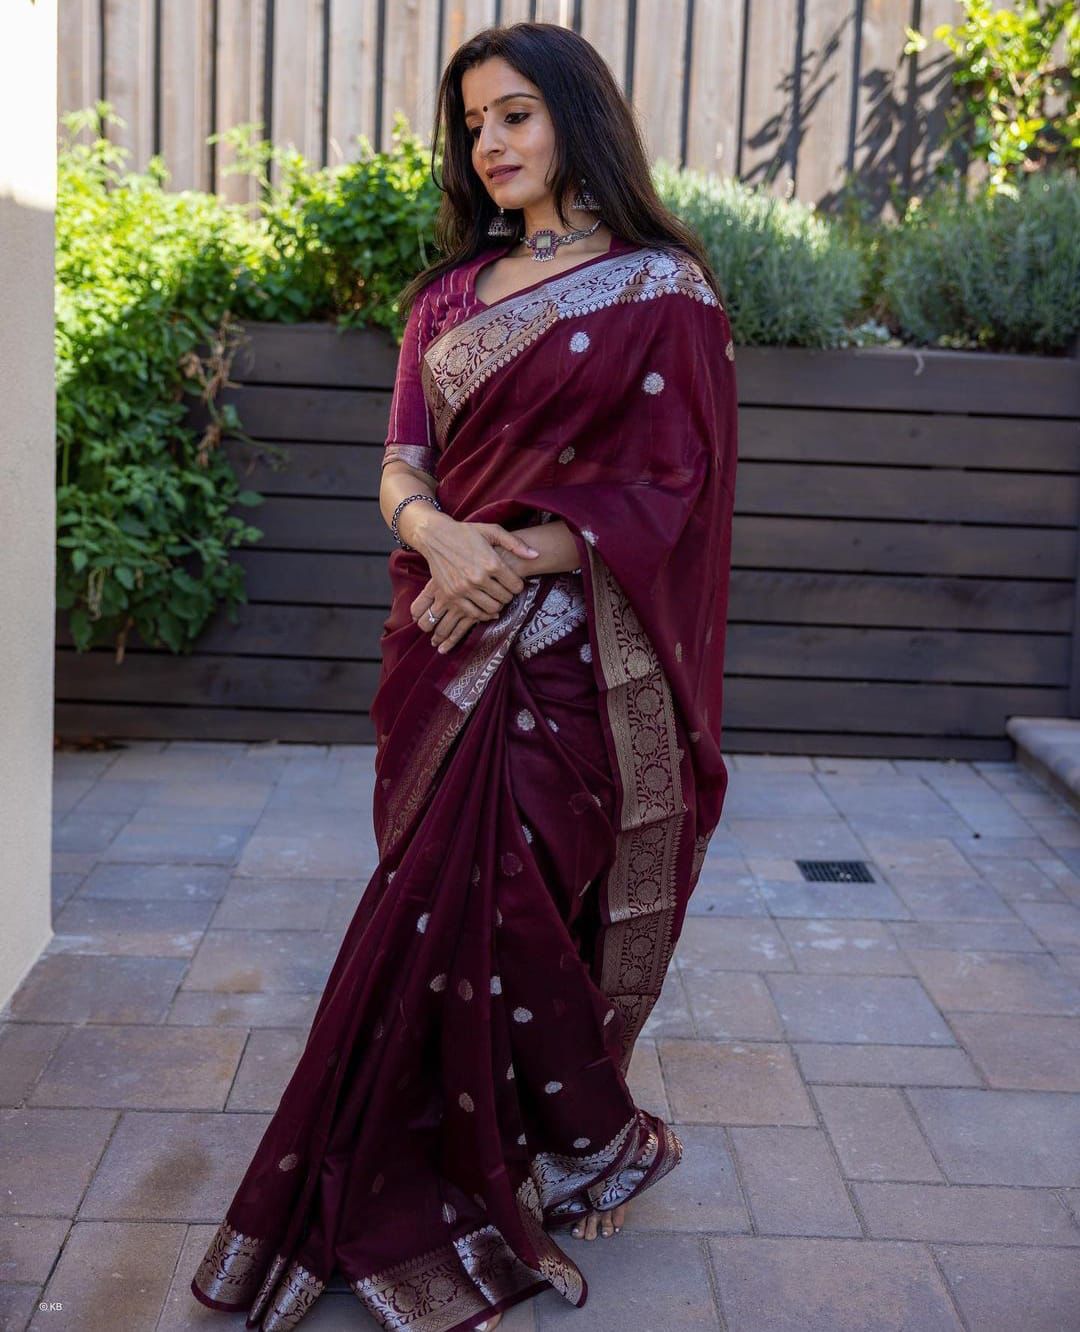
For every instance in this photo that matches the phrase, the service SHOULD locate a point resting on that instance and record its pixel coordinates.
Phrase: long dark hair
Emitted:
(596, 136)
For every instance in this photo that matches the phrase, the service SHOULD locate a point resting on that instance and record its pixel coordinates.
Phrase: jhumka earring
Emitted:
(586, 199)
(500, 224)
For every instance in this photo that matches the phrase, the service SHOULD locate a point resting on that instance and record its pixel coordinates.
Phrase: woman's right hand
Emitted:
(465, 564)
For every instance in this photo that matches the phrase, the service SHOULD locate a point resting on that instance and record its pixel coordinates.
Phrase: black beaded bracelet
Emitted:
(394, 521)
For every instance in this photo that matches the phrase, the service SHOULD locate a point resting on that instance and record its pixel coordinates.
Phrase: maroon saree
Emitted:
(545, 794)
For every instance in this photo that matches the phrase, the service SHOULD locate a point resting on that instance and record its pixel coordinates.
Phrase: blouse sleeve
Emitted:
(410, 437)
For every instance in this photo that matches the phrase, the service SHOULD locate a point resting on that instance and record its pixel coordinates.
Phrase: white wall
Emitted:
(27, 453)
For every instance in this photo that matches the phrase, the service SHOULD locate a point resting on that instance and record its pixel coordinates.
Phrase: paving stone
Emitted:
(1017, 879)
(853, 794)
(843, 946)
(701, 1194)
(951, 899)
(1015, 848)
(731, 944)
(203, 1008)
(199, 843)
(276, 904)
(671, 1013)
(237, 961)
(1004, 1290)
(112, 1275)
(73, 862)
(68, 987)
(168, 765)
(1056, 923)
(206, 795)
(1002, 1137)
(1057, 832)
(874, 1134)
(714, 897)
(829, 1285)
(1020, 1050)
(891, 1010)
(880, 771)
(116, 797)
(315, 855)
(28, 1247)
(61, 887)
(792, 1182)
(802, 837)
(95, 925)
(87, 832)
(652, 1283)
(160, 1068)
(885, 824)
(195, 883)
(965, 1213)
(917, 858)
(184, 1166)
(1069, 963)
(352, 792)
(760, 794)
(269, 1059)
(771, 869)
(733, 1082)
(832, 901)
(646, 1081)
(995, 982)
(992, 817)
(996, 935)
(49, 1156)
(888, 1065)
(25, 1049)
(17, 1304)
(731, 1003)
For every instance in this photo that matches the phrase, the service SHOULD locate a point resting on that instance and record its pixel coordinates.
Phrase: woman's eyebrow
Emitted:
(506, 97)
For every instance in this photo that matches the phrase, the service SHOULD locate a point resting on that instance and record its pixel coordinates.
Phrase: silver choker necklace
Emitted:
(545, 242)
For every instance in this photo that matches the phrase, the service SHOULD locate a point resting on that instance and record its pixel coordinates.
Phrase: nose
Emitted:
(488, 138)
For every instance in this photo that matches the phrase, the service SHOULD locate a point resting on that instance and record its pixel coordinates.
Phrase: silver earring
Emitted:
(586, 199)
(500, 224)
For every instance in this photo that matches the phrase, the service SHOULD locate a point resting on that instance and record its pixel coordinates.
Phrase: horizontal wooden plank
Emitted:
(344, 471)
(826, 744)
(73, 721)
(827, 652)
(883, 708)
(291, 523)
(835, 490)
(315, 579)
(343, 416)
(910, 379)
(894, 602)
(322, 355)
(908, 439)
(805, 544)
(251, 682)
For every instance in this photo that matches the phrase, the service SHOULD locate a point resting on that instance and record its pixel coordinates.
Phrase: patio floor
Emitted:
(877, 1084)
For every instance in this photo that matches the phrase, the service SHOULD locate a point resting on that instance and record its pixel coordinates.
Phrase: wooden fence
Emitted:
(904, 566)
(793, 93)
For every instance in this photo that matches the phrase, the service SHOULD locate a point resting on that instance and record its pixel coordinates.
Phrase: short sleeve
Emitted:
(410, 437)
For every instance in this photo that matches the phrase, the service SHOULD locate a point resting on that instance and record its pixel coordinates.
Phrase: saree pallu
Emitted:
(545, 794)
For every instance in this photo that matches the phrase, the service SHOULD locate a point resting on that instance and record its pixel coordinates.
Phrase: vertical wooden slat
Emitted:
(658, 67)
(603, 26)
(880, 97)
(129, 75)
(241, 58)
(186, 88)
(715, 72)
(411, 35)
(79, 68)
(296, 114)
(824, 99)
(464, 18)
(768, 98)
(933, 86)
(351, 95)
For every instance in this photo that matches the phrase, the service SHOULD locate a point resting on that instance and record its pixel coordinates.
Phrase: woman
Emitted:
(558, 473)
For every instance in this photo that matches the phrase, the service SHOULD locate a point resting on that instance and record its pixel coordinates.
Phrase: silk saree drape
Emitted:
(545, 793)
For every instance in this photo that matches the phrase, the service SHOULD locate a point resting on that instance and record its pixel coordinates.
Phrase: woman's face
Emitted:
(509, 125)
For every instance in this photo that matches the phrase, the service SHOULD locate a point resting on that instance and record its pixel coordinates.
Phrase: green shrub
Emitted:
(143, 278)
(789, 275)
(1000, 272)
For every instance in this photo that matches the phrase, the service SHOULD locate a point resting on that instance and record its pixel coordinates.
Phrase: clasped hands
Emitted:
(474, 574)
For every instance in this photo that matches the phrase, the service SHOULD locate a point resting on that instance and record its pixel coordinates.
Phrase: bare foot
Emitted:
(489, 1324)
(603, 1223)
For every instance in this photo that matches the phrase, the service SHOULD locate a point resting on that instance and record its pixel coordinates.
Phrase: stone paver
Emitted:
(876, 1085)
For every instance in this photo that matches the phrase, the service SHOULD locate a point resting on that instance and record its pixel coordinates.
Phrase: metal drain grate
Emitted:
(835, 871)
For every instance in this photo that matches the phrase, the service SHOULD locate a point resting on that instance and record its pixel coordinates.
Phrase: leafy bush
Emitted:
(1016, 100)
(1000, 272)
(788, 275)
(143, 278)
(344, 239)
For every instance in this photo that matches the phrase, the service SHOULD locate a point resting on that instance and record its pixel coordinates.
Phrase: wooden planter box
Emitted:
(905, 557)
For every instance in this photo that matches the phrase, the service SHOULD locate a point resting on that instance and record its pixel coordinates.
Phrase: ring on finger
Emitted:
(433, 618)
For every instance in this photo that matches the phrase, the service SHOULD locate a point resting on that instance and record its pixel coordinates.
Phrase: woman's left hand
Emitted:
(452, 626)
